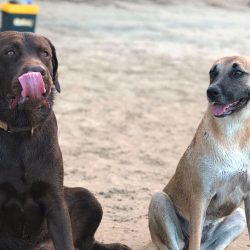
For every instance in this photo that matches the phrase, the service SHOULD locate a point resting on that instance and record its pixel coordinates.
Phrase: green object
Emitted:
(19, 17)
(18, 22)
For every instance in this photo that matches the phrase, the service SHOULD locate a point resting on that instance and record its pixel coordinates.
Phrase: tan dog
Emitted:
(199, 207)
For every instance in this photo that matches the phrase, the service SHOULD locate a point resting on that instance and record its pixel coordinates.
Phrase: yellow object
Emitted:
(30, 9)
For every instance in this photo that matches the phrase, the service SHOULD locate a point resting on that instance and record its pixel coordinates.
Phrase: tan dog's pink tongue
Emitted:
(32, 84)
(219, 110)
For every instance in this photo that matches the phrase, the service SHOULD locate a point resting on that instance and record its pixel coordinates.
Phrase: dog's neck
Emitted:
(231, 127)
(20, 120)
(10, 129)
(25, 125)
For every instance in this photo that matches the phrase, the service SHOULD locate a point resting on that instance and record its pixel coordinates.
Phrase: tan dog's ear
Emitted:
(55, 67)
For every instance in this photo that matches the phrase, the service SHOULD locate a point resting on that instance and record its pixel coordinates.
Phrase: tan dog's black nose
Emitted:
(213, 93)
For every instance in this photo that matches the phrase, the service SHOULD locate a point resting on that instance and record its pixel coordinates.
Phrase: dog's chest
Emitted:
(21, 213)
(25, 178)
(17, 189)
(229, 175)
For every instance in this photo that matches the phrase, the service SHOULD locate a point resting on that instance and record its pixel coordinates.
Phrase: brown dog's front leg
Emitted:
(59, 226)
(197, 216)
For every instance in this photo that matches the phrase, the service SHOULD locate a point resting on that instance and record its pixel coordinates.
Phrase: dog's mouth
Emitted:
(32, 84)
(222, 110)
(33, 90)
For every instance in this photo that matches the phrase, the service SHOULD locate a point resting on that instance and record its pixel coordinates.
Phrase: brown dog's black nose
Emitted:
(213, 93)
(36, 68)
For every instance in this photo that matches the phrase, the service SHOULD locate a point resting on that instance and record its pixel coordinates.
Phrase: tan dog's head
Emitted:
(229, 89)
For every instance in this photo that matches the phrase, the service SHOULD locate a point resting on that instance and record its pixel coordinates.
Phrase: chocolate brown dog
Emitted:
(36, 210)
(199, 207)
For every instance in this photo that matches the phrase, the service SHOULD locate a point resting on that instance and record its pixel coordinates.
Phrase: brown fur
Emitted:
(36, 210)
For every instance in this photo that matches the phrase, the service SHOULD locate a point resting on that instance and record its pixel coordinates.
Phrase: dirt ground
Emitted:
(133, 77)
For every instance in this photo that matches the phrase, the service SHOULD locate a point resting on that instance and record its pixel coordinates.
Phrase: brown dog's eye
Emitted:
(45, 53)
(10, 53)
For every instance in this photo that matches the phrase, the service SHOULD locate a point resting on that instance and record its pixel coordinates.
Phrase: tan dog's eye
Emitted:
(213, 73)
(238, 73)
(45, 53)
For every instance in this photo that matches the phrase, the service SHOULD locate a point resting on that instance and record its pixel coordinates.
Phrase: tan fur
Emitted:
(214, 165)
(242, 60)
(244, 135)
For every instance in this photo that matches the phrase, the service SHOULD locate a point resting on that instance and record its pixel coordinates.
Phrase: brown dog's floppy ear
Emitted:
(55, 67)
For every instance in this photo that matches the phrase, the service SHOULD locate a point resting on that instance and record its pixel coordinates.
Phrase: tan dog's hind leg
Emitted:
(219, 236)
(164, 224)
(166, 232)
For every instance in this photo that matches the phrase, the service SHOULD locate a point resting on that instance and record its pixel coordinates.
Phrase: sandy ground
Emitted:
(133, 80)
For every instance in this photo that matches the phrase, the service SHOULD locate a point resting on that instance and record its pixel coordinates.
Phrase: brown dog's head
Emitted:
(28, 72)
(229, 89)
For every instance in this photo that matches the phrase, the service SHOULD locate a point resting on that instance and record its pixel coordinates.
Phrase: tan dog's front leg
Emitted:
(247, 211)
(197, 216)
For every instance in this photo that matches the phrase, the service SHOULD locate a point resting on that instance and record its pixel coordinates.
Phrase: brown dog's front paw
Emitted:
(114, 246)
(118, 246)
(47, 245)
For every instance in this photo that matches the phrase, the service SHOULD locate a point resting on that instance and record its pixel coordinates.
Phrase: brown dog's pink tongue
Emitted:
(32, 84)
